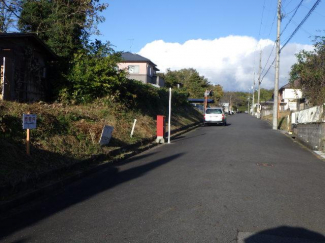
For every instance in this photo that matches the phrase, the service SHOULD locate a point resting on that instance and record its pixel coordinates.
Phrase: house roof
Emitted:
(295, 85)
(32, 37)
(130, 57)
(287, 86)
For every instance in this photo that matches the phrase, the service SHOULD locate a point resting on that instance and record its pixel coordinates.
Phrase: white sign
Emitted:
(29, 121)
(106, 135)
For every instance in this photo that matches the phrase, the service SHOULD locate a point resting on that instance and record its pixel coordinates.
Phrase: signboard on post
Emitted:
(29, 121)
(207, 93)
(106, 135)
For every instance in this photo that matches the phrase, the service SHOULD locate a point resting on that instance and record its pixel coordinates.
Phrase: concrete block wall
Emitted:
(311, 134)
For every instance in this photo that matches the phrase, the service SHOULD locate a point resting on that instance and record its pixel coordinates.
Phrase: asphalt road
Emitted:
(239, 183)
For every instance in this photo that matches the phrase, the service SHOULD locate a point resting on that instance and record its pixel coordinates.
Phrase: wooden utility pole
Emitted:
(259, 87)
(277, 64)
(253, 102)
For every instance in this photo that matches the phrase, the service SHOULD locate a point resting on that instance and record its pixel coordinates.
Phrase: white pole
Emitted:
(170, 112)
(135, 121)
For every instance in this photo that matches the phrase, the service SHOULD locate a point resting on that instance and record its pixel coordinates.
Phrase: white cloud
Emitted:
(229, 61)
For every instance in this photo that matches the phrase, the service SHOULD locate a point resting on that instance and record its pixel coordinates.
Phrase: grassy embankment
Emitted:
(282, 120)
(69, 134)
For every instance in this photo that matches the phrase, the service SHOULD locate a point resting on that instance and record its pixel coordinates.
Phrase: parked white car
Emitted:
(215, 115)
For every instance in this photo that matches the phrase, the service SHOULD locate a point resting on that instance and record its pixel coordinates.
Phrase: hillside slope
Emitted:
(68, 134)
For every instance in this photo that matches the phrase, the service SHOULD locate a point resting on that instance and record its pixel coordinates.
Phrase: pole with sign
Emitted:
(29, 122)
(206, 94)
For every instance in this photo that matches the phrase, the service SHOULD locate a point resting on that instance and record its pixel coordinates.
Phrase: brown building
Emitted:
(25, 66)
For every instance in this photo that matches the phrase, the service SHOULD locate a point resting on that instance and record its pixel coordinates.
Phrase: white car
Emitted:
(215, 115)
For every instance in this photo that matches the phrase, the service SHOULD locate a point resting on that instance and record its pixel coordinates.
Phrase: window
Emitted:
(133, 68)
(213, 111)
(149, 71)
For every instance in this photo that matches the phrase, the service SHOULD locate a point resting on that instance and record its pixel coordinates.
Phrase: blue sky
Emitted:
(137, 26)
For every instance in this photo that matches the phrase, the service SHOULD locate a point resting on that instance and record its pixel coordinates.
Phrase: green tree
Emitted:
(309, 72)
(238, 99)
(190, 80)
(217, 93)
(94, 73)
(265, 95)
(8, 9)
(62, 24)
(171, 79)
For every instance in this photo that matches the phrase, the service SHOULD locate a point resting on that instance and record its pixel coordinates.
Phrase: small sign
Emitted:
(29, 121)
(106, 135)
(207, 93)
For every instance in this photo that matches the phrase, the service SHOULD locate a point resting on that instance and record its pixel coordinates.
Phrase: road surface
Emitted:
(241, 183)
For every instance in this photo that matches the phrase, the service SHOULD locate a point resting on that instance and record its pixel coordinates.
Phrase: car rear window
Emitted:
(213, 111)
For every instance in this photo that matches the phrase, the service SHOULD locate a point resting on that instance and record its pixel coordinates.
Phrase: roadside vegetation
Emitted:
(191, 82)
(282, 120)
(309, 72)
(88, 92)
(67, 134)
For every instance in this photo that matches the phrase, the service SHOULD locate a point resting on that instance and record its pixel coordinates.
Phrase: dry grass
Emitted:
(282, 120)
(67, 134)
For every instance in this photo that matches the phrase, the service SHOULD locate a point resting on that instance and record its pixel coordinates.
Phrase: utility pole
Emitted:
(259, 87)
(277, 64)
(205, 100)
(253, 102)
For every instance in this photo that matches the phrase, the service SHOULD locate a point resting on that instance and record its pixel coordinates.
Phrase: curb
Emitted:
(120, 154)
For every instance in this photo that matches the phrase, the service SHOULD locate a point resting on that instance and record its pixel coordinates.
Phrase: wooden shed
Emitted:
(25, 66)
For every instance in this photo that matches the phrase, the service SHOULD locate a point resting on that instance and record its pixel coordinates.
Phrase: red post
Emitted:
(161, 131)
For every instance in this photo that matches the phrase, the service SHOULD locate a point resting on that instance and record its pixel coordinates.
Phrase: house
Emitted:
(25, 65)
(292, 97)
(141, 69)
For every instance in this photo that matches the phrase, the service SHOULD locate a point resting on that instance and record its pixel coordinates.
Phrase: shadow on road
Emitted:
(216, 125)
(180, 138)
(285, 234)
(77, 193)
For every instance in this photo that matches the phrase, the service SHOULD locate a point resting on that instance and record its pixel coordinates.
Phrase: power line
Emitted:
(267, 63)
(292, 17)
(272, 24)
(301, 23)
(293, 33)
(259, 33)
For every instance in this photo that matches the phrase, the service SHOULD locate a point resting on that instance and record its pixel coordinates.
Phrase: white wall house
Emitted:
(291, 97)
(141, 69)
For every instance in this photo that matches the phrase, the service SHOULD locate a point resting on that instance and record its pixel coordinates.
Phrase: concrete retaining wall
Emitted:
(311, 134)
(310, 115)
